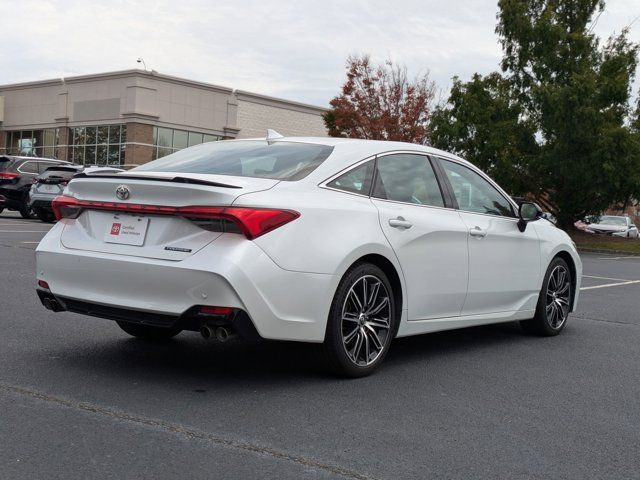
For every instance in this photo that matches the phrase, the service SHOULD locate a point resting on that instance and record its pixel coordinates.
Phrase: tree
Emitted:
(483, 122)
(574, 94)
(381, 103)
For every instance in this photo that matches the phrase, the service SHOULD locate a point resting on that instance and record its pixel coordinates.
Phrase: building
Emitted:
(134, 116)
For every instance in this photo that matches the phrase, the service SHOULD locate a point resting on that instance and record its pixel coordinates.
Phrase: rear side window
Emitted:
(277, 160)
(357, 180)
(28, 167)
(407, 178)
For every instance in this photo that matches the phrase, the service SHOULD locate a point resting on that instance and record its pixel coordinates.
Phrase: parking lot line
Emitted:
(607, 278)
(607, 285)
(24, 231)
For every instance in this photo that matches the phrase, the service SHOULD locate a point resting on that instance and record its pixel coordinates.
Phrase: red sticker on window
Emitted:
(115, 229)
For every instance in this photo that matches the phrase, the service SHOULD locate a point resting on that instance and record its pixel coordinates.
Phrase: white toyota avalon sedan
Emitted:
(348, 243)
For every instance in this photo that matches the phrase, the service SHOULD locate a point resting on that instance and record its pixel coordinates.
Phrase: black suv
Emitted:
(16, 176)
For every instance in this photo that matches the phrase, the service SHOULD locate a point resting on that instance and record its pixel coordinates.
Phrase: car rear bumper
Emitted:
(229, 272)
(37, 200)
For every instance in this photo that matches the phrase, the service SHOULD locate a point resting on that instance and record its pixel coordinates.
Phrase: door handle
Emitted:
(400, 222)
(477, 232)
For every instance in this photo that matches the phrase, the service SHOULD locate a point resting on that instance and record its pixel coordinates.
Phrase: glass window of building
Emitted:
(98, 145)
(167, 140)
(32, 143)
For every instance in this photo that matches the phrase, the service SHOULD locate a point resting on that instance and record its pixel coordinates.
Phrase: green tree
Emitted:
(574, 93)
(483, 122)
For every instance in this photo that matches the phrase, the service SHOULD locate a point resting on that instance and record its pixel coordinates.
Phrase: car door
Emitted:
(427, 235)
(504, 263)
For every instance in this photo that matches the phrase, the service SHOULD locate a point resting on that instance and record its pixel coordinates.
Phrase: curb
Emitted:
(609, 252)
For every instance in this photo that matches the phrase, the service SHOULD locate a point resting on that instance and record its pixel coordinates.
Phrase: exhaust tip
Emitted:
(222, 334)
(207, 332)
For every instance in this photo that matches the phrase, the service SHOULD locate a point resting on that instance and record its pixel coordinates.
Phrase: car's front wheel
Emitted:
(362, 322)
(148, 332)
(554, 302)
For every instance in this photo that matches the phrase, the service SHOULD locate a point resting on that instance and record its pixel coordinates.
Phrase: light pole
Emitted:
(141, 60)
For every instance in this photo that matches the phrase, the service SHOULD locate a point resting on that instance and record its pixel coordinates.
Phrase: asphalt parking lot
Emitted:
(80, 399)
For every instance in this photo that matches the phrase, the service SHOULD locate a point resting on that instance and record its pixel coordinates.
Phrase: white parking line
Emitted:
(29, 242)
(607, 278)
(18, 223)
(630, 282)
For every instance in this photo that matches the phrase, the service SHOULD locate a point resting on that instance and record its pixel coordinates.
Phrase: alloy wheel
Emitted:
(558, 296)
(366, 320)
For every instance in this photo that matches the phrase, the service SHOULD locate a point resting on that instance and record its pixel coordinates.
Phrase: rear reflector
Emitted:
(8, 175)
(207, 310)
(252, 221)
(43, 284)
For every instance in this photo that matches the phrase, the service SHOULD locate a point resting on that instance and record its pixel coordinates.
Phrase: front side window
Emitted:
(357, 180)
(276, 160)
(474, 193)
(407, 178)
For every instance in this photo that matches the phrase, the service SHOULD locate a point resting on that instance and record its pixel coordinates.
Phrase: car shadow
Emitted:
(191, 360)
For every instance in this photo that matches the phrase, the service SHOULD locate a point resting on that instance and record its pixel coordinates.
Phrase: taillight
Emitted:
(253, 222)
(66, 207)
(8, 175)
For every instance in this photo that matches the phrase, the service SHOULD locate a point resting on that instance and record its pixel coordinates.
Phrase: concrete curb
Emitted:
(609, 252)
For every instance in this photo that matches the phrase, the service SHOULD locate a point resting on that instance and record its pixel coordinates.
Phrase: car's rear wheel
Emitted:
(45, 215)
(26, 211)
(362, 322)
(148, 332)
(554, 302)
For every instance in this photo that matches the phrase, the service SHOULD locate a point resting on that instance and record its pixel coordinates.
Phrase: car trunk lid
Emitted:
(161, 236)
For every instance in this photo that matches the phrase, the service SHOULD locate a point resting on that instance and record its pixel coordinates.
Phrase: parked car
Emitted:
(51, 184)
(16, 176)
(614, 225)
(347, 243)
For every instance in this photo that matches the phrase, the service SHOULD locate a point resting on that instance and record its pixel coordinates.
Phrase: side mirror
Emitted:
(528, 212)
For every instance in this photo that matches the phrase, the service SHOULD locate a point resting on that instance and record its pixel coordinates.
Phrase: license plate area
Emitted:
(127, 230)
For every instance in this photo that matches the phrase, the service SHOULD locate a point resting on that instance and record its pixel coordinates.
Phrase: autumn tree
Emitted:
(381, 102)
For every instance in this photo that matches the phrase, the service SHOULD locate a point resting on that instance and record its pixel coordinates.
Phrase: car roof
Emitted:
(365, 144)
(20, 157)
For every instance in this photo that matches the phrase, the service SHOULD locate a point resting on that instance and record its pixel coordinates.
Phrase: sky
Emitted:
(289, 49)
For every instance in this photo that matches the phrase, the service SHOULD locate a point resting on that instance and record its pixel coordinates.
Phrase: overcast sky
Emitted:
(293, 49)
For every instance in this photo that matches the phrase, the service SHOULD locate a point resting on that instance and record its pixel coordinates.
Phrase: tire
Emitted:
(1, 209)
(356, 342)
(554, 302)
(45, 215)
(26, 211)
(147, 332)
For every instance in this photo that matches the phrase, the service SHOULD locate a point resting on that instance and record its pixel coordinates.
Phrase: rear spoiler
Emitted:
(193, 181)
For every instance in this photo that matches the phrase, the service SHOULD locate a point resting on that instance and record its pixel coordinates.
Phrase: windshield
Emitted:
(618, 221)
(277, 160)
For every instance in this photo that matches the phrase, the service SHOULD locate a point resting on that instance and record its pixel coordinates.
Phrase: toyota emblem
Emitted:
(123, 192)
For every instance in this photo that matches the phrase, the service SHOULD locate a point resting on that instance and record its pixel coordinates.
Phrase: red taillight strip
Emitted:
(8, 175)
(252, 221)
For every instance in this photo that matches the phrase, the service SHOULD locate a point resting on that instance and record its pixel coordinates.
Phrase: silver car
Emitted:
(618, 226)
(52, 182)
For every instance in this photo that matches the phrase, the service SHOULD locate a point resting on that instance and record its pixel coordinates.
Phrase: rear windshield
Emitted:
(278, 160)
(64, 173)
(620, 221)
